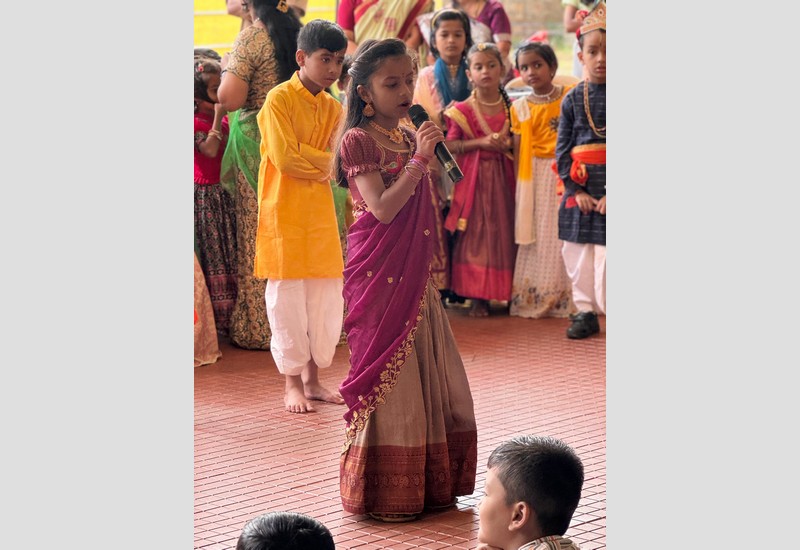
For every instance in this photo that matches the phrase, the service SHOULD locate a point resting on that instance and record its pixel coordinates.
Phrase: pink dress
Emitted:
(482, 210)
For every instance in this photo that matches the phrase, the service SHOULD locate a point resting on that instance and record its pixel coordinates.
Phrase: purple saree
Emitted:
(411, 437)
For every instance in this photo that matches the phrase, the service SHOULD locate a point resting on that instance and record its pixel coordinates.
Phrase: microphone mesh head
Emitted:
(418, 115)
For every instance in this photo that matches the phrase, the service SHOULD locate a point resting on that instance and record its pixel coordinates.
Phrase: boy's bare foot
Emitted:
(293, 398)
(480, 308)
(318, 392)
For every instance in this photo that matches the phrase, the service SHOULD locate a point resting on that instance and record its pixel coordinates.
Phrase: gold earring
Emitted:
(369, 110)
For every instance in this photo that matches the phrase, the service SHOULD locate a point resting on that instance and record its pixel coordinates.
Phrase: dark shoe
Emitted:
(584, 324)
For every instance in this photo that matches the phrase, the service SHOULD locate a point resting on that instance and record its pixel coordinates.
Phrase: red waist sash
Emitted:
(594, 153)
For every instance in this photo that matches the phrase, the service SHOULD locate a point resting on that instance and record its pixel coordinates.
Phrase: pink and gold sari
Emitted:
(411, 439)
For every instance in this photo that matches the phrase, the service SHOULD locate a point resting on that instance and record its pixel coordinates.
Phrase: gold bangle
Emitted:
(215, 133)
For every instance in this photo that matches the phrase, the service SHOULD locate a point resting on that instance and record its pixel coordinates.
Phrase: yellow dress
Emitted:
(540, 287)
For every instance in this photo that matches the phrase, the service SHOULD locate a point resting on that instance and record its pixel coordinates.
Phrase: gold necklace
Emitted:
(487, 103)
(395, 135)
(453, 70)
(482, 118)
(599, 132)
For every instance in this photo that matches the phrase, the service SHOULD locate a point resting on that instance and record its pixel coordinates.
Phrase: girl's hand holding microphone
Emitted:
(428, 135)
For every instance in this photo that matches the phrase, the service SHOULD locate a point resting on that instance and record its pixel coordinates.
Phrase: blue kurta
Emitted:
(573, 130)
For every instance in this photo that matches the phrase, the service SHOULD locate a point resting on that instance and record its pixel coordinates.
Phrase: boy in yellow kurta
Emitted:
(297, 240)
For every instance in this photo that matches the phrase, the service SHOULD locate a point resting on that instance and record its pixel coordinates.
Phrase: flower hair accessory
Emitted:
(481, 46)
(282, 6)
(200, 68)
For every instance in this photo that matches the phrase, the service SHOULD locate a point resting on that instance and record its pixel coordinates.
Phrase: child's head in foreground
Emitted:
(285, 531)
(533, 485)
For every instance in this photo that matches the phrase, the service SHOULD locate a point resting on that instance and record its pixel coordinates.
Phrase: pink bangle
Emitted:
(422, 159)
(418, 164)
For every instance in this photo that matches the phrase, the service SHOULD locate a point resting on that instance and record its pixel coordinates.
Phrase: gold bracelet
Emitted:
(215, 133)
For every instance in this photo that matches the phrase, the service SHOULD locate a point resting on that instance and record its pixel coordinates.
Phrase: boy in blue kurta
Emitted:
(581, 160)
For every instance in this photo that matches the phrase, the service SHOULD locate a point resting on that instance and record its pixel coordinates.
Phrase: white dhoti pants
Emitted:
(305, 316)
(586, 267)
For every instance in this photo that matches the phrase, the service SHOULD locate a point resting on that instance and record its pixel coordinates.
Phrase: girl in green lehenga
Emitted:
(263, 56)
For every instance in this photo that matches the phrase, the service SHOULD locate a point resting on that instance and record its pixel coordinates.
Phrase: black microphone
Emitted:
(418, 116)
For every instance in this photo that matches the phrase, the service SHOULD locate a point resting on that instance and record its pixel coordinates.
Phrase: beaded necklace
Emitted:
(552, 95)
(599, 132)
(552, 88)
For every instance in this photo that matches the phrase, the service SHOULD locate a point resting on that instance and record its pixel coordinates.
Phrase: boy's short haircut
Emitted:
(320, 33)
(545, 473)
(284, 531)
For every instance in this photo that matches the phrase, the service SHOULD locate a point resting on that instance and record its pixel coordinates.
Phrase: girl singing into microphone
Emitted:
(410, 411)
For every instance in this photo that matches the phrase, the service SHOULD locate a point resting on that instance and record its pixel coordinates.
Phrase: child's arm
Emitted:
(458, 145)
(573, 18)
(211, 145)
(289, 156)
(386, 203)
(564, 144)
(487, 143)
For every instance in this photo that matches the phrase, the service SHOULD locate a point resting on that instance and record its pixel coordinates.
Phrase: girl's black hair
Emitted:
(346, 64)
(450, 14)
(207, 52)
(544, 50)
(203, 66)
(367, 60)
(283, 29)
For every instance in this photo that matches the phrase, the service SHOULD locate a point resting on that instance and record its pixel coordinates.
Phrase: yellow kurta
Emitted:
(297, 236)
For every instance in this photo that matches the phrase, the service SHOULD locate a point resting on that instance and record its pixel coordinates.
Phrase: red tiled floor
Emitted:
(252, 457)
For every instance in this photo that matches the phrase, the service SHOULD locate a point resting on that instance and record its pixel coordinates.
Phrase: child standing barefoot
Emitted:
(297, 239)
(482, 210)
(581, 157)
(410, 411)
(214, 218)
(541, 286)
